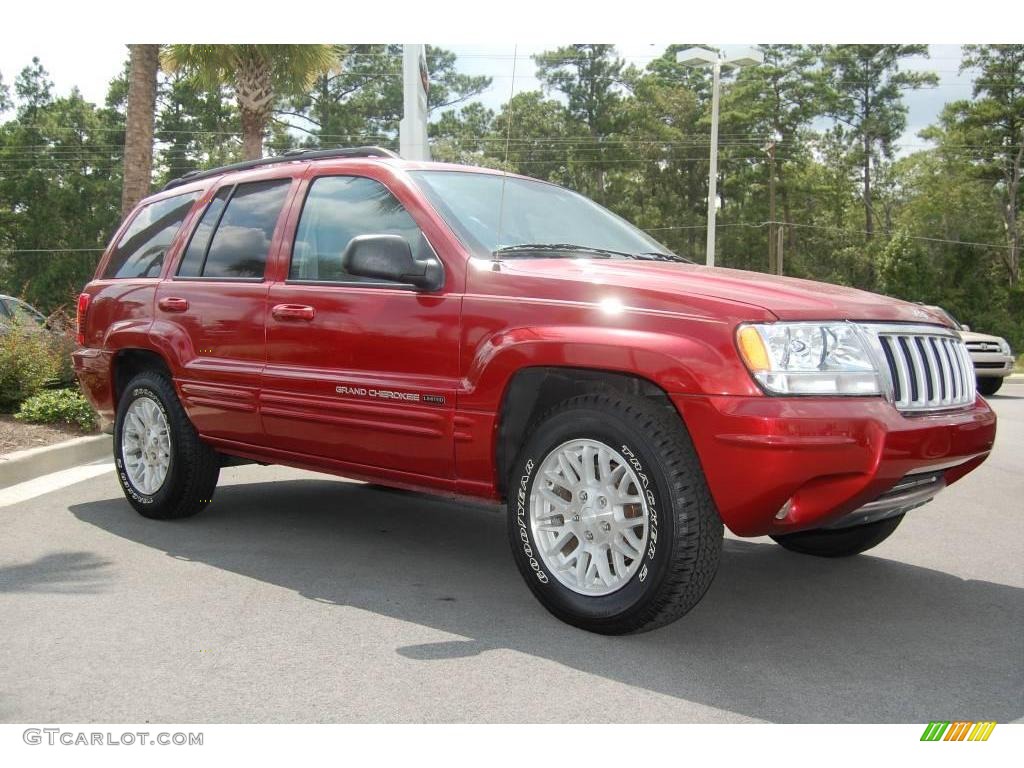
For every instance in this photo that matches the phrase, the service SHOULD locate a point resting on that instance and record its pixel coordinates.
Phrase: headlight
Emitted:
(1004, 345)
(809, 358)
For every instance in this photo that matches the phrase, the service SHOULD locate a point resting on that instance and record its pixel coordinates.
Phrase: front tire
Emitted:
(989, 385)
(840, 542)
(610, 518)
(165, 470)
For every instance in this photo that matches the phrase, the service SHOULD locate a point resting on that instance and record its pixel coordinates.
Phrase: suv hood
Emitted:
(974, 336)
(787, 298)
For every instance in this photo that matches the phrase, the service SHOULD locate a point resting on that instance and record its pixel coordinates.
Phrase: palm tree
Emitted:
(144, 62)
(258, 74)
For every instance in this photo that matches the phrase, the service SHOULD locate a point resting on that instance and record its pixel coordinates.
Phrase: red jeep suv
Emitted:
(464, 331)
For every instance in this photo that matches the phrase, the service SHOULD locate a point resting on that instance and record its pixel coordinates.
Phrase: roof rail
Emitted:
(289, 156)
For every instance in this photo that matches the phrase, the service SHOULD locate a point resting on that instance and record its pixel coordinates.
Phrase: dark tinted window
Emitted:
(140, 251)
(339, 208)
(192, 262)
(242, 240)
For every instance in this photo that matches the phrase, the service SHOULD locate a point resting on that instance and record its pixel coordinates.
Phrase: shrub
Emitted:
(29, 359)
(67, 406)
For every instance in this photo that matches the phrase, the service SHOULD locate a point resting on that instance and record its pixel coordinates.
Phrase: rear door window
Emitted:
(140, 251)
(233, 237)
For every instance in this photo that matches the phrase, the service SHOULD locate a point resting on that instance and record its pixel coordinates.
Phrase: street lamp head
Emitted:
(696, 57)
(751, 58)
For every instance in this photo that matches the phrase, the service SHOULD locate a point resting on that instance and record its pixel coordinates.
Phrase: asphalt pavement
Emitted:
(298, 597)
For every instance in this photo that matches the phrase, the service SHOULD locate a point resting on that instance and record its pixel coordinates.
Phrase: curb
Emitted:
(19, 466)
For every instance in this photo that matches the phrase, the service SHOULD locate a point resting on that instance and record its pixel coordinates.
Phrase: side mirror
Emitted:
(389, 257)
(965, 327)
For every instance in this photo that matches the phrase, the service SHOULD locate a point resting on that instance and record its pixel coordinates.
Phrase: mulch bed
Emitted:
(17, 436)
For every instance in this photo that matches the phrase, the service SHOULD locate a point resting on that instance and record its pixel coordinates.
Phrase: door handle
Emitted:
(173, 304)
(293, 312)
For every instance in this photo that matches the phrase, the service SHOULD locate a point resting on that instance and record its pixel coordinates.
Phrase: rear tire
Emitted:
(642, 467)
(842, 542)
(165, 470)
(989, 385)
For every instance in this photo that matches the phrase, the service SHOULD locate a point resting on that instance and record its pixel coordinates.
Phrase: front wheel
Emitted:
(840, 542)
(989, 385)
(165, 470)
(610, 518)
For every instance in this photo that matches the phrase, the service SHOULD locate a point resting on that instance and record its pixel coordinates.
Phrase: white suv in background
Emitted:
(991, 355)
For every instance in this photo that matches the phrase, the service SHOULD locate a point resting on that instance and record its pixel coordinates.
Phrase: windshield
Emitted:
(532, 213)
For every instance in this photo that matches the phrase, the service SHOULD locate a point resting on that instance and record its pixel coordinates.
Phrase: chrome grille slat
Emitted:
(928, 368)
(933, 371)
(919, 396)
(952, 371)
(947, 370)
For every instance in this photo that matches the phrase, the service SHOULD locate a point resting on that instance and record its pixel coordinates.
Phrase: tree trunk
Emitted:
(869, 227)
(252, 135)
(254, 92)
(138, 135)
(1011, 215)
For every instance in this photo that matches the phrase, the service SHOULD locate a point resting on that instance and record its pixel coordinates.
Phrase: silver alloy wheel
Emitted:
(146, 445)
(589, 517)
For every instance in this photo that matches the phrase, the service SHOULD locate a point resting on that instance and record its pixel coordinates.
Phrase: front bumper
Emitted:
(778, 465)
(992, 364)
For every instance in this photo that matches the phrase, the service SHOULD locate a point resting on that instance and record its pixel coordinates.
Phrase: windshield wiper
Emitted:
(525, 248)
(568, 248)
(661, 256)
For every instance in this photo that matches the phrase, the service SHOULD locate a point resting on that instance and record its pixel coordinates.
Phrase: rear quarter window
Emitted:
(140, 251)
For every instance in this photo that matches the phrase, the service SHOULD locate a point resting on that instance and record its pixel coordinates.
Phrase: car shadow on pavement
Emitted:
(779, 636)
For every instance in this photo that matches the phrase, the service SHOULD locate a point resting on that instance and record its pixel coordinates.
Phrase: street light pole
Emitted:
(713, 171)
(702, 57)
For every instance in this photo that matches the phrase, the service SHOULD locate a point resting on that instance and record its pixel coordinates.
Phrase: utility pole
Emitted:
(773, 253)
(702, 57)
(412, 130)
(778, 250)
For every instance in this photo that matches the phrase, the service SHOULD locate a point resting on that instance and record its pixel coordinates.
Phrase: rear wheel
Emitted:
(989, 385)
(165, 470)
(840, 542)
(610, 519)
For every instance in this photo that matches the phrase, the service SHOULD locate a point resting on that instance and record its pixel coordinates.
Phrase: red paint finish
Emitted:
(406, 387)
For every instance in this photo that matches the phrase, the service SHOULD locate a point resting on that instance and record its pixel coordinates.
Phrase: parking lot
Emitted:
(298, 597)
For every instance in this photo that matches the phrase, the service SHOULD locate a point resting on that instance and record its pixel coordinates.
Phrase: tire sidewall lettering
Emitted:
(652, 505)
(522, 513)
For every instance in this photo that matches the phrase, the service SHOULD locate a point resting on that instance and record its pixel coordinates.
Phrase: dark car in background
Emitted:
(15, 311)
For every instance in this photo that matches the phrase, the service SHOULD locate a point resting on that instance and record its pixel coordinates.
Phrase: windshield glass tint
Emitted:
(532, 212)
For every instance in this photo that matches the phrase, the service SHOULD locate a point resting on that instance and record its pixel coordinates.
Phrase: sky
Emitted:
(92, 72)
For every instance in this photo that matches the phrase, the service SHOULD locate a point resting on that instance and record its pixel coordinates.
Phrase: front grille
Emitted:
(982, 346)
(928, 370)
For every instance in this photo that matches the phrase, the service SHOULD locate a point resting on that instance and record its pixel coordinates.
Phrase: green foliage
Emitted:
(903, 269)
(60, 190)
(64, 406)
(361, 102)
(29, 360)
